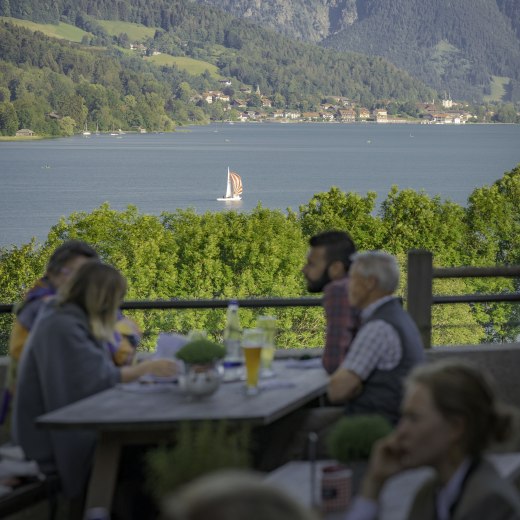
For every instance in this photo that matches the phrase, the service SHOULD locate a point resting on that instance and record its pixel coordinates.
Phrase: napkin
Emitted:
(169, 344)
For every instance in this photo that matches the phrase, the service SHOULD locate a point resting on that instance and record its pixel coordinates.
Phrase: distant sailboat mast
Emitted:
(229, 192)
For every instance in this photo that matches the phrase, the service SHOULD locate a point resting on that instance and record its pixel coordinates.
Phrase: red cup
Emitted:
(336, 487)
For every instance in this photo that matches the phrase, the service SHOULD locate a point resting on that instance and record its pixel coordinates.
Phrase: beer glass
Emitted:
(252, 342)
(268, 325)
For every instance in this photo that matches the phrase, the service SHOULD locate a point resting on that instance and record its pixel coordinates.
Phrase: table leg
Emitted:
(104, 471)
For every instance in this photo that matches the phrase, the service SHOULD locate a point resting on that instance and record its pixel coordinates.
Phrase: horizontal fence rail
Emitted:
(252, 303)
(420, 298)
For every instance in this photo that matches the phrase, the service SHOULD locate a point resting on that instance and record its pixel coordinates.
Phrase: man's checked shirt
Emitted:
(342, 323)
(376, 345)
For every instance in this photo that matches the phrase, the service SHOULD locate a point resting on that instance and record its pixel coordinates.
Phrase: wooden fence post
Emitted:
(419, 299)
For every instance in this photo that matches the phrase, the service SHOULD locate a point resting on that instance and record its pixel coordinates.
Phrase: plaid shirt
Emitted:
(342, 324)
(377, 345)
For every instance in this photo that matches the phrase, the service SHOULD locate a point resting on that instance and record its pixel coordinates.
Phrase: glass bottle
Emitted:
(232, 336)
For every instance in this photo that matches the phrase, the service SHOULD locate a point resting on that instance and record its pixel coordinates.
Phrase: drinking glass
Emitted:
(252, 342)
(268, 325)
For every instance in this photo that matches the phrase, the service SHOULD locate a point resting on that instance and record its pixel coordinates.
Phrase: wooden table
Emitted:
(123, 417)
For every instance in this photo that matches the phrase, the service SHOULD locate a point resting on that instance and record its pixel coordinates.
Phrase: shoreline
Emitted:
(184, 128)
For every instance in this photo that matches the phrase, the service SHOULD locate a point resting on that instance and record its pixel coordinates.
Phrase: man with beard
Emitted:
(326, 270)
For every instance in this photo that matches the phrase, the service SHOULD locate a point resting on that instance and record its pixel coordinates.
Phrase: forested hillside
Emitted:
(452, 46)
(100, 81)
(259, 254)
(455, 47)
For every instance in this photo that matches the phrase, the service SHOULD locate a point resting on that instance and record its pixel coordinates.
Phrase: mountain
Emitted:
(300, 73)
(152, 64)
(468, 48)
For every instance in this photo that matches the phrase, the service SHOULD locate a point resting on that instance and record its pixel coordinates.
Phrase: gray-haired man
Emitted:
(370, 378)
(386, 347)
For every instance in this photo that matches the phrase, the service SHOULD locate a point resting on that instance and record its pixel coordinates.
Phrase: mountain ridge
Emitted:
(483, 36)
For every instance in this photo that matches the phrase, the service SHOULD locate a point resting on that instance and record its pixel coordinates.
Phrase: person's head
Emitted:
(328, 259)
(372, 275)
(233, 495)
(98, 289)
(449, 410)
(67, 259)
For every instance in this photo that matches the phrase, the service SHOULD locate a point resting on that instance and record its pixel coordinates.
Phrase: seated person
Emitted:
(64, 360)
(63, 263)
(370, 378)
(385, 349)
(326, 270)
(449, 417)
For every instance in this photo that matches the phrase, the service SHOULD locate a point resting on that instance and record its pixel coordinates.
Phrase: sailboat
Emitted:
(234, 187)
(86, 132)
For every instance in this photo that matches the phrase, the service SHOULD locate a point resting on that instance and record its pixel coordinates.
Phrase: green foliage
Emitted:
(349, 212)
(199, 448)
(8, 119)
(60, 30)
(450, 46)
(200, 352)
(494, 220)
(352, 437)
(204, 45)
(413, 220)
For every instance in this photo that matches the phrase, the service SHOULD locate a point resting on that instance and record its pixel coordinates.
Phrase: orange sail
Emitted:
(236, 184)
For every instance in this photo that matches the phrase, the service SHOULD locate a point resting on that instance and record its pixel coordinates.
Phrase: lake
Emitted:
(282, 165)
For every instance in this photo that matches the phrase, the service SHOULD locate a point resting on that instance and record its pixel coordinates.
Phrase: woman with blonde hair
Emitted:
(449, 418)
(64, 361)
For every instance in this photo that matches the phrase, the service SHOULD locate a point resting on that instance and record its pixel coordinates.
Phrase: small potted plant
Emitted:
(350, 441)
(202, 370)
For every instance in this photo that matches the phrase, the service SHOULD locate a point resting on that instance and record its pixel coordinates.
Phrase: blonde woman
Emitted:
(64, 361)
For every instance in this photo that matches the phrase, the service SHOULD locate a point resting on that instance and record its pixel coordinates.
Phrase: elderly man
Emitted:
(386, 347)
(326, 270)
(370, 378)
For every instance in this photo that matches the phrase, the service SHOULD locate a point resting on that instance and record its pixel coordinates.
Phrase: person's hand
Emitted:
(159, 367)
(385, 461)
(154, 367)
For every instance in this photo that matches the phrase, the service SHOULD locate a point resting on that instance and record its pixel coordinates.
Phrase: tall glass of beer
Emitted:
(252, 342)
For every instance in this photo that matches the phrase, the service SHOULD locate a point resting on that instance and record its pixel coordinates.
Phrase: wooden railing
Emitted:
(420, 296)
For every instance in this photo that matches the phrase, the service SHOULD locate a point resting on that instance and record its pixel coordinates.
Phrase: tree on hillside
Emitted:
(414, 220)
(8, 119)
(349, 212)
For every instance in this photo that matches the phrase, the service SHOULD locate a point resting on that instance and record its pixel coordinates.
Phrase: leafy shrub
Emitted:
(352, 438)
(199, 448)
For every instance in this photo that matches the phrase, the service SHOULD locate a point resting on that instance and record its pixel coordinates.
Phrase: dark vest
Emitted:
(383, 389)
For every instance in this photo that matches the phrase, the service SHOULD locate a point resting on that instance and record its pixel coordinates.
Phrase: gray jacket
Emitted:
(486, 496)
(61, 363)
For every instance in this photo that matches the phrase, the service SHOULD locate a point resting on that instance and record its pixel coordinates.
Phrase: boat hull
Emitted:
(230, 199)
